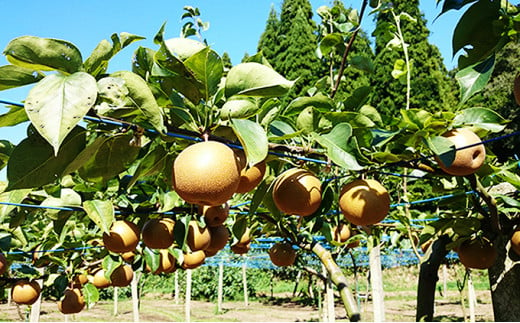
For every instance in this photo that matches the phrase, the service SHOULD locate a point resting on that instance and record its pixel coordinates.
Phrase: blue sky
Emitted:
(235, 27)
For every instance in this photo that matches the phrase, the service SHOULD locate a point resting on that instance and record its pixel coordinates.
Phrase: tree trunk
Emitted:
(428, 277)
(337, 277)
(504, 280)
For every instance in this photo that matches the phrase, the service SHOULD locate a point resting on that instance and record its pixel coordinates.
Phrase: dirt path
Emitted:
(400, 306)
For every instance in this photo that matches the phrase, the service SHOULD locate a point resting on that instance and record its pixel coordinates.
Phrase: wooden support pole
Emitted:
(116, 290)
(244, 280)
(35, 308)
(187, 304)
(376, 281)
(135, 297)
(220, 286)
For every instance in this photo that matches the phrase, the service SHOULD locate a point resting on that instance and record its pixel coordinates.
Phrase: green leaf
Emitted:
(320, 102)
(16, 115)
(33, 163)
(358, 98)
(58, 102)
(113, 156)
(253, 139)
(43, 54)
(12, 197)
(479, 32)
(152, 258)
(239, 108)
(482, 118)
(152, 163)
(142, 98)
(12, 76)
(443, 148)
(170, 200)
(400, 69)
(280, 130)
(207, 67)
(474, 78)
(6, 148)
(110, 263)
(362, 63)
(91, 294)
(332, 43)
(336, 143)
(97, 62)
(184, 48)
(101, 213)
(415, 119)
(253, 79)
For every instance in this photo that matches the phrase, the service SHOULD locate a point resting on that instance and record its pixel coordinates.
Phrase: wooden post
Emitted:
(116, 289)
(330, 300)
(8, 296)
(324, 307)
(176, 287)
(187, 304)
(220, 286)
(472, 299)
(244, 280)
(376, 281)
(35, 308)
(135, 297)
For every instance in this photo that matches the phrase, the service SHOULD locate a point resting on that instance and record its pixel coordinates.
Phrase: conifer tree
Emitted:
(431, 89)
(292, 52)
(268, 42)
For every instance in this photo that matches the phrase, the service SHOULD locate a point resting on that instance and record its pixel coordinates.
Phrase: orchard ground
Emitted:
(400, 303)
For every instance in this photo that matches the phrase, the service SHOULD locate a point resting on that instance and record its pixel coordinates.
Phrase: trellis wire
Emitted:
(302, 158)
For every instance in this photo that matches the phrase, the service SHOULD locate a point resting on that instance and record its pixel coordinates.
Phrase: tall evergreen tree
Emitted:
(431, 89)
(268, 42)
(292, 52)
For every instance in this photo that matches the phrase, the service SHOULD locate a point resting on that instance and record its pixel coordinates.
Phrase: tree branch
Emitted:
(347, 50)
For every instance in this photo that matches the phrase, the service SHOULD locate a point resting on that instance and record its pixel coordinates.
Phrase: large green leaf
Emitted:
(478, 32)
(239, 107)
(91, 294)
(332, 43)
(101, 213)
(12, 76)
(280, 130)
(97, 62)
(474, 78)
(113, 156)
(320, 102)
(336, 143)
(44, 54)
(482, 118)
(207, 67)
(58, 102)
(443, 148)
(16, 115)
(141, 97)
(253, 79)
(11, 198)
(33, 163)
(253, 139)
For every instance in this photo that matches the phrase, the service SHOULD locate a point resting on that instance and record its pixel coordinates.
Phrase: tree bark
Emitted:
(428, 277)
(504, 280)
